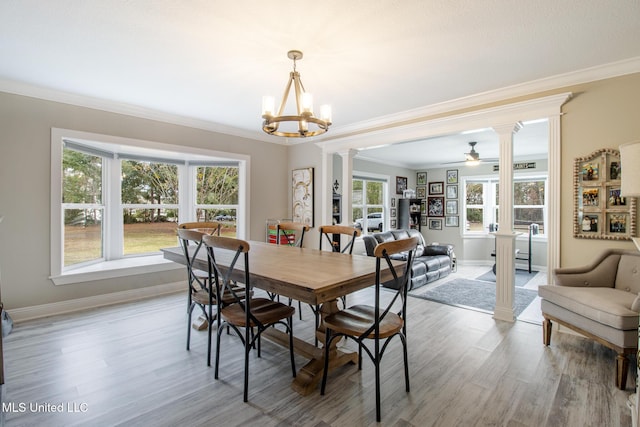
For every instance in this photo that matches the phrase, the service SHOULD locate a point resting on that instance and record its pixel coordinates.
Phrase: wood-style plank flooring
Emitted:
(127, 365)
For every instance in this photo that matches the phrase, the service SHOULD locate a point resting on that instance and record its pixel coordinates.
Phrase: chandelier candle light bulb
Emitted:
(299, 124)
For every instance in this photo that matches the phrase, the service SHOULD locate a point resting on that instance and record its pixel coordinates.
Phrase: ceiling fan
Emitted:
(473, 157)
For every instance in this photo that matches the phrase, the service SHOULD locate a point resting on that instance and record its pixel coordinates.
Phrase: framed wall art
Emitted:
(435, 206)
(421, 191)
(451, 207)
(401, 184)
(452, 191)
(435, 224)
(600, 212)
(436, 187)
(452, 176)
(421, 178)
(452, 221)
(302, 196)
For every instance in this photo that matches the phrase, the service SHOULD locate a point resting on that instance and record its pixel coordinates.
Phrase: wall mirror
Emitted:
(600, 212)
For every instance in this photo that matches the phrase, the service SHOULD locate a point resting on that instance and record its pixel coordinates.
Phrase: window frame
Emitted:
(384, 180)
(490, 205)
(119, 265)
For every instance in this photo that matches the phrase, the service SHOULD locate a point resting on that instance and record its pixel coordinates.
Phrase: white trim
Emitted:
(600, 72)
(52, 309)
(113, 239)
(122, 267)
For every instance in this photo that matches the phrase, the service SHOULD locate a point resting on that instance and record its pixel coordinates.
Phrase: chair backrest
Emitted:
(293, 233)
(191, 242)
(328, 231)
(208, 227)
(401, 275)
(223, 254)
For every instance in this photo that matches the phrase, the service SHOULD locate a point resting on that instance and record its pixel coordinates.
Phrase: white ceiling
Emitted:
(210, 62)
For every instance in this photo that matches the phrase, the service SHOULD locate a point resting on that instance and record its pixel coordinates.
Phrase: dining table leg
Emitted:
(310, 375)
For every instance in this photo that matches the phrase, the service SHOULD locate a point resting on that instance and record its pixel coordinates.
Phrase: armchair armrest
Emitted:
(600, 273)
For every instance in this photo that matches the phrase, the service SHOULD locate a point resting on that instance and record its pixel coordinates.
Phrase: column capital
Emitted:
(507, 128)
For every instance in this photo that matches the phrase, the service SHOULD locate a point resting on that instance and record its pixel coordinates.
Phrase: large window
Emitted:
(112, 202)
(481, 204)
(368, 203)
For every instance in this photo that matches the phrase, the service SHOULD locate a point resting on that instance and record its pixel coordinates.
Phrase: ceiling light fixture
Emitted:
(299, 122)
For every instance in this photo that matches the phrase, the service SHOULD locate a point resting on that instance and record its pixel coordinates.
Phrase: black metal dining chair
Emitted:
(379, 323)
(200, 293)
(249, 317)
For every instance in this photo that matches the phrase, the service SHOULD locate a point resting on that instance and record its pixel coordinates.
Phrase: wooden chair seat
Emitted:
(263, 309)
(202, 296)
(356, 320)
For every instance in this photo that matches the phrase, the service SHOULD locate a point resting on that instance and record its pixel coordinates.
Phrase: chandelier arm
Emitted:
(286, 94)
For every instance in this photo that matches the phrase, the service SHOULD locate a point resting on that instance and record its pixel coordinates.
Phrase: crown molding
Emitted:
(614, 69)
(587, 75)
(38, 92)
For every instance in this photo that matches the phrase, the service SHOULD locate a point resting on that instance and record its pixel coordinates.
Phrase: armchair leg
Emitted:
(622, 368)
(546, 331)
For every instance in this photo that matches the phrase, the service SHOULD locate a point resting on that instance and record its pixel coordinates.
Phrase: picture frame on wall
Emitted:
(436, 187)
(452, 191)
(392, 212)
(393, 223)
(393, 202)
(302, 195)
(435, 224)
(421, 178)
(421, 191)
(435, 206)
(451, 207)
(423, 221)
(452, 221)
(401, 184)
(452, 176)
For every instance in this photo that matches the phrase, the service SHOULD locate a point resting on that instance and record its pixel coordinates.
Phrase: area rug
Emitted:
(522, 277)
(468, 293)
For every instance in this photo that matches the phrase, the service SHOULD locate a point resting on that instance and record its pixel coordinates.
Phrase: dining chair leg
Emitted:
(215, 372)
(406, 362)
(190, 311)
(327, 342)
(209, 330)
(377, 369)
(291, 355)
(247, 349)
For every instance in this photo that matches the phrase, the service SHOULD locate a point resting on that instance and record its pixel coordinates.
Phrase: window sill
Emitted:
(118, 268)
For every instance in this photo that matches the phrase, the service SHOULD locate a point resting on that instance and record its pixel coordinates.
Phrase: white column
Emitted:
(552, 225)
(505, 236)
(326, 188)
(347, 185)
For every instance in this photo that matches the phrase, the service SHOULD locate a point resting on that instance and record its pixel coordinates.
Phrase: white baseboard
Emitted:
(44, 310)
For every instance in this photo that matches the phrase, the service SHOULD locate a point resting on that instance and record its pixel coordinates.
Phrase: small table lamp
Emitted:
(629, 164)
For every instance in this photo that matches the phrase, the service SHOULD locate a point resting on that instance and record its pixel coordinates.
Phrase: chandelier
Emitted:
(294, 126)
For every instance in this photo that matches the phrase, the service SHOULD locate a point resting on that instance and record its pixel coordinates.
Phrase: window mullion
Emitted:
(114, 218)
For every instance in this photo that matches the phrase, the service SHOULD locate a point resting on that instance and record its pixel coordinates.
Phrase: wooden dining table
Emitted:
(308, 275)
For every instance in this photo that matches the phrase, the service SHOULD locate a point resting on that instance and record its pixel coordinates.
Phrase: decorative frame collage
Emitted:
(439, 200)
(452, 213)
(421, 193)
(600, 212)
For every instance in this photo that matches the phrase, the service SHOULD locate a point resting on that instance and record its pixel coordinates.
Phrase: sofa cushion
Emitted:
(628, 274)
(609, 306)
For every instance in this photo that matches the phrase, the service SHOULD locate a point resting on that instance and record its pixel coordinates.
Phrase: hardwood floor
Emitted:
(127, 365)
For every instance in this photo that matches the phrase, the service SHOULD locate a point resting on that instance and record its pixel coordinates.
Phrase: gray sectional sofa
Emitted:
(431, 262)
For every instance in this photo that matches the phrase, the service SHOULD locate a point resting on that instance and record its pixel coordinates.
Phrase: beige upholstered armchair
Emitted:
(600, 301)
